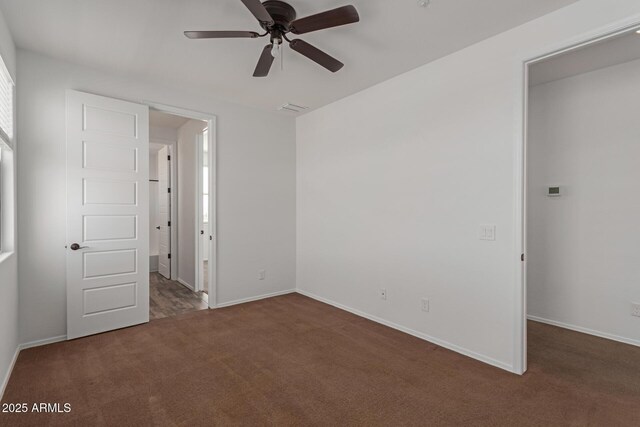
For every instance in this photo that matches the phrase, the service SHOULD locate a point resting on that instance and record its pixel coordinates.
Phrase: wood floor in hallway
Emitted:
(169, 298)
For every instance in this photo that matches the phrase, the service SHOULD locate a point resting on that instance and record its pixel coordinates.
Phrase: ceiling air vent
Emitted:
(292, 107)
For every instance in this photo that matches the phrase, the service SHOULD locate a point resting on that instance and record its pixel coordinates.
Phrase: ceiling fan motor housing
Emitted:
(283, 15)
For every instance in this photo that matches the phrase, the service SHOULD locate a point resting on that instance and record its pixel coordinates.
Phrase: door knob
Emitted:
(158, 228)
(75, 247)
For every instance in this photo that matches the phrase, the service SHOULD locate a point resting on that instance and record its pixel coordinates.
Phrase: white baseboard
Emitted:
(585, 330)
(7, 375)
(433, 340)
(185, 284)
(38, 343)
(259, 297)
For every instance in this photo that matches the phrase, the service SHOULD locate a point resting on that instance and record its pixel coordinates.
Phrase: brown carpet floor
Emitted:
(294, 361)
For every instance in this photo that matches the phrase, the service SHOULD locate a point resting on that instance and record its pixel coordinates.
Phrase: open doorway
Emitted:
(178, 249)
(582, 201)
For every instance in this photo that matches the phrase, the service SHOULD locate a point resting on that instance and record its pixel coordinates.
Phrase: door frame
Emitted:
(521, 174)
(213, 223)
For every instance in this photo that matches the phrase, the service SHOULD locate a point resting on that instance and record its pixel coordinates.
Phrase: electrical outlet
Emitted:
(383, 293)
(262, 274)
(635, 309)
(425, 304)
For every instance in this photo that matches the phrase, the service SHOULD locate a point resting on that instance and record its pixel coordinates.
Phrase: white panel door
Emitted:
(107, 214)
(164, 212)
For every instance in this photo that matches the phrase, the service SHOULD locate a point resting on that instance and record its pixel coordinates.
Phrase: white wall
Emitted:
(8, 263)
(187, 193)
(584, 263)
(162, 133)
(256, 188)
(204, 239)
(395, 181)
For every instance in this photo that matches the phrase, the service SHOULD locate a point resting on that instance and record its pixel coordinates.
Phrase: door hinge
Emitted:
(210, 237)
(168, 190)
(169, 158)
(522, 257)
(169, 256)
(169, 224)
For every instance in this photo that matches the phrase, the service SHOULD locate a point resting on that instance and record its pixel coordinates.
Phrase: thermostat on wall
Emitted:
(554, 192)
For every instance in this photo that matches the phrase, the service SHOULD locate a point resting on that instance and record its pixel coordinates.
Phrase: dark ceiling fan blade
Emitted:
(221, 34)
(258, 10)
(264, 63)
(316, 55)
(332, 18)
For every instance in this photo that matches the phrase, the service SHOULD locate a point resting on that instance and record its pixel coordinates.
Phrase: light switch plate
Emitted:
(487, 232)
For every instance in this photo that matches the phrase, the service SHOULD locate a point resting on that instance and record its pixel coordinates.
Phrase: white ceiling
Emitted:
(143, 38)
(607, 53)
(166, 120)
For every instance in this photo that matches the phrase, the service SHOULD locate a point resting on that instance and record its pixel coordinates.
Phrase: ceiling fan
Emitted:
(278, 19)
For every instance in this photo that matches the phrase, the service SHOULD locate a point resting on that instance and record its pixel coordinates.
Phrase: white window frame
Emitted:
(7, 175)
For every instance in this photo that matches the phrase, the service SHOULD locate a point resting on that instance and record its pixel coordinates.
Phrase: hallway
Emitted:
(168, 298)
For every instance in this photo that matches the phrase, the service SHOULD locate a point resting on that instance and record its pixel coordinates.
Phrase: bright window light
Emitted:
(6, 104)
(205, 176)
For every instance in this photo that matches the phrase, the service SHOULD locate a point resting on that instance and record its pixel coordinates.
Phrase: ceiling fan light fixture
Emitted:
(275, 50)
